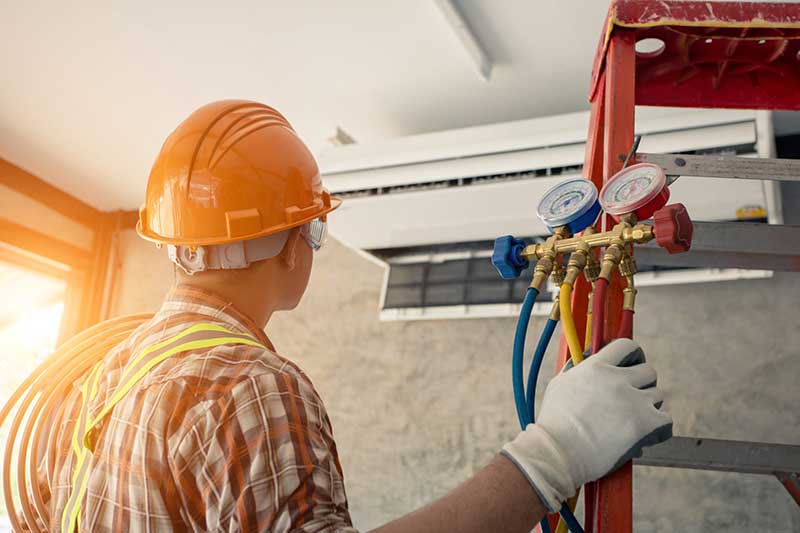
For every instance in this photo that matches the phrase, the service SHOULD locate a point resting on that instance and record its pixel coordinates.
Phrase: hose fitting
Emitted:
(544, 267)
(547, 259)
(558, 276)
(629, 295)
(627, 267)
(592, 269)
(555, 312)
(611, 259)
(577, 261)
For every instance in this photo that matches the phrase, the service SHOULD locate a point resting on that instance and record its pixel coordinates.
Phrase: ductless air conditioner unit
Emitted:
(423, 198)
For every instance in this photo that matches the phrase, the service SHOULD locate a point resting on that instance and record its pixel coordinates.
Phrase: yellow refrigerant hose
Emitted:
(574, 343)
(573, 501)
(37, 404)
(587, 343)
(568, 324)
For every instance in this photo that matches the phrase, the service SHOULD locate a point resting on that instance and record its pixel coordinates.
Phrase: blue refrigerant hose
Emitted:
(536, 365)
(519, 354)
(525, 405)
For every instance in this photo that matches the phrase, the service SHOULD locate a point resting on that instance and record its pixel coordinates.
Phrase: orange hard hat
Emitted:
(233, 170)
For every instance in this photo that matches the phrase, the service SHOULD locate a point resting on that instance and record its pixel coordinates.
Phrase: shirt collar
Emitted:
(187, 298)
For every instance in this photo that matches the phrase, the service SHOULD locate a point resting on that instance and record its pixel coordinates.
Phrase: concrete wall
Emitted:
(418, 407)
(144, 277)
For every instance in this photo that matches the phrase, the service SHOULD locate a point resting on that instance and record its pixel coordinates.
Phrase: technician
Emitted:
(199, 425)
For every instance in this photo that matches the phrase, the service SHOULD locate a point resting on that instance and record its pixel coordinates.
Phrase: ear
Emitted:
(288, 255)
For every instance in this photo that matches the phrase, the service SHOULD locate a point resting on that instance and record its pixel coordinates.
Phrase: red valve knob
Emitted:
(673, 228)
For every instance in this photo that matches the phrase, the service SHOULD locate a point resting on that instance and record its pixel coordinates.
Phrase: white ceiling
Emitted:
(90, 89)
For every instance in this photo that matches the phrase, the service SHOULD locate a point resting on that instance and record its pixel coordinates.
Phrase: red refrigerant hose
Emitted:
(626, 325)
(598, 330)
(598, 327)
(599, 313)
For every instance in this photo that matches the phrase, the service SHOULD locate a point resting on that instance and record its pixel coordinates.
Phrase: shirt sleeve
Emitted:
(261, 457)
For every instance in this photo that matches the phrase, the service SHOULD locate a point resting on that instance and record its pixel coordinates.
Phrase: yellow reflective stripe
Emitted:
(96, 379)
(69, 518)
(203, 326)
(76, 431)
(83, 414)
(191, 345)
(79, 476)
(89, 389)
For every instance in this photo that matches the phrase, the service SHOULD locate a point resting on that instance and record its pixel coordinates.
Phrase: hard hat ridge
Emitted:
(232, 125)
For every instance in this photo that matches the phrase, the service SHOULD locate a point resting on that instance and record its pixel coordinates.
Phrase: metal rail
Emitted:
(732, 245)
(780, 460)
(725, 166)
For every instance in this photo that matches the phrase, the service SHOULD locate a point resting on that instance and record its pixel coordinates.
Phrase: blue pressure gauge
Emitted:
(572, 203)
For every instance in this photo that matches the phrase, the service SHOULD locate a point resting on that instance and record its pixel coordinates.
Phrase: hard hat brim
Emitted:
(151, 236)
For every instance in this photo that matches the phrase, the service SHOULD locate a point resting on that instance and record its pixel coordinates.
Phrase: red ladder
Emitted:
(714, 55)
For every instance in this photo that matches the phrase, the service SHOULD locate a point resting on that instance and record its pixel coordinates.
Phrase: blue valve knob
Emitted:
(507, 256)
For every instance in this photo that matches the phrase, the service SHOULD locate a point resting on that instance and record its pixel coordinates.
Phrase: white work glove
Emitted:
(594, 418)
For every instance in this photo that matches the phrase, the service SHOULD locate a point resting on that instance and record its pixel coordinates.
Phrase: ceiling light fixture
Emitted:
(473, 46)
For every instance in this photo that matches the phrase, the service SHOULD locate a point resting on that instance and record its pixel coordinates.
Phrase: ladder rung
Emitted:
(725, 166)
(723, 456)
(732, 245)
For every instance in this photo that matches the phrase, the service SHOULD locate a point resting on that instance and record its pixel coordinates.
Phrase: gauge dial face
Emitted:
(632, 188)
(567, 201)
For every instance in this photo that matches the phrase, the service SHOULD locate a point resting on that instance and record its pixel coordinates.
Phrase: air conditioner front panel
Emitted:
(450, 169)
(483, 212)
(733, 134)
(512, 136)
(452, 214)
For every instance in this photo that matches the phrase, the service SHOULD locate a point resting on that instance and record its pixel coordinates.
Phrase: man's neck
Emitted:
(243, 293)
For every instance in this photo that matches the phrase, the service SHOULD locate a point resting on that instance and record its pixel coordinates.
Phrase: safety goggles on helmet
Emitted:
(315, 233)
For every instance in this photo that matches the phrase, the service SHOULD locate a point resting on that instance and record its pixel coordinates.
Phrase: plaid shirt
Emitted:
(233, 438)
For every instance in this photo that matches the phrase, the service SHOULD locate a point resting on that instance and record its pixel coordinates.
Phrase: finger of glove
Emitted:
(658, 435)
(569, 364)
(642, 376)
(654, 395)
(620, 352)
(654, 427)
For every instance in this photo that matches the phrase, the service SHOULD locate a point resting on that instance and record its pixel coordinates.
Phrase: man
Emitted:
(195, 423)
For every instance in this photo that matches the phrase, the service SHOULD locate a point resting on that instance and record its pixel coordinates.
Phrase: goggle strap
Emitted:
(231, 255)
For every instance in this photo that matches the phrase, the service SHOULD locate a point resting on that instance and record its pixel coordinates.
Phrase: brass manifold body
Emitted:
(618, 241)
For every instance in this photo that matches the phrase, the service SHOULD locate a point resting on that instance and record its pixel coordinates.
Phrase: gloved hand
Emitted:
(594, 418)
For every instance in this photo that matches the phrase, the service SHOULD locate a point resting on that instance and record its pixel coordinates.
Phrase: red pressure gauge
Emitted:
(639, 189)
